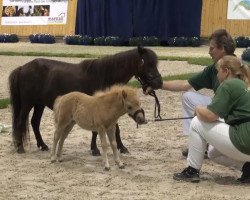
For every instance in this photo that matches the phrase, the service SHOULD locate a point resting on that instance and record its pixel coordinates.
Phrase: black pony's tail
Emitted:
(19, 126)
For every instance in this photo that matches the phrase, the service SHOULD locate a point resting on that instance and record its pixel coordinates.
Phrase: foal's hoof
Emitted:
(124, 150)
(95, 152)
(107, 168)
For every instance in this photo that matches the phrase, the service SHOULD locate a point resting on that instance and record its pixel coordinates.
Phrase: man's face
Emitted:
(215, 52)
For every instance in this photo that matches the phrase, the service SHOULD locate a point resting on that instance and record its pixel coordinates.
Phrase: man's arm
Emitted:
(176, 85)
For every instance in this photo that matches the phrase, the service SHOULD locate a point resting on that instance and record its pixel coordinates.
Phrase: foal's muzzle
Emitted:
(138, 116)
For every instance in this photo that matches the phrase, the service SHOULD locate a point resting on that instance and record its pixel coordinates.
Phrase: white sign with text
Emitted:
(34, 12)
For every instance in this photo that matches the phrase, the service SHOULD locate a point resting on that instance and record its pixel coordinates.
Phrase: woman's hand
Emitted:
(205, 115)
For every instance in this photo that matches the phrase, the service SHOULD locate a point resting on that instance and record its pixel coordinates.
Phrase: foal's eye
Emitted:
(129, 107)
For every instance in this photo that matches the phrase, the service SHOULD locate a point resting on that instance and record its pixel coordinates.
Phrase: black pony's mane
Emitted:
(114, 66)
(110, 68)
(111, 63)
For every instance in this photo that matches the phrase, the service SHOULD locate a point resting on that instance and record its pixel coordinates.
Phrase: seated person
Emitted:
(232, 137)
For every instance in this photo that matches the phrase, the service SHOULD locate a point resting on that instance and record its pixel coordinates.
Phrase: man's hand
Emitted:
(147, 91)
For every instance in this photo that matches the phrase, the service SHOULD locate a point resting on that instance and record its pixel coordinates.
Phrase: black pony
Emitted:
(37, 84)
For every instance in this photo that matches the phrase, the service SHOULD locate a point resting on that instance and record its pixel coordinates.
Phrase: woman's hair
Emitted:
(238, 69)
(223, 39)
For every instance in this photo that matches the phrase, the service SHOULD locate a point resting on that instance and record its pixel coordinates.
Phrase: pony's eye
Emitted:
(150, 76)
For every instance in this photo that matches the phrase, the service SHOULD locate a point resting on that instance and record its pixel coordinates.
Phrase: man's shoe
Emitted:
(185, 153)
(189, 174)
(245, 177)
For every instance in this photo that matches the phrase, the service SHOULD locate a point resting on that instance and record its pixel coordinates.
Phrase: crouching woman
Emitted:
(230, 137)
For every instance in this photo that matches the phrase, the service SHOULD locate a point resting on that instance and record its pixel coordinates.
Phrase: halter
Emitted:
(157, 110)
(136, 112)
(152, 93)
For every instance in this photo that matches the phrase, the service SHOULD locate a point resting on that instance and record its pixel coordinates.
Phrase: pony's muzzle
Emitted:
(138, 116)
(156, 83)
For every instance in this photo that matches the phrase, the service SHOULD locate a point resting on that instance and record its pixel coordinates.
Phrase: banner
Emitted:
(34, 12)
(238, 9)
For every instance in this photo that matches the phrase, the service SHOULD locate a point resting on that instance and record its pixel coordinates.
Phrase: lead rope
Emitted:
(157, 111)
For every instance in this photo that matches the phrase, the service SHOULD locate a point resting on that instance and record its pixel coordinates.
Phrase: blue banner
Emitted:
(134, 18)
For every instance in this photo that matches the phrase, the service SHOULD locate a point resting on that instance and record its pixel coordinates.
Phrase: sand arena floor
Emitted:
(155, 149)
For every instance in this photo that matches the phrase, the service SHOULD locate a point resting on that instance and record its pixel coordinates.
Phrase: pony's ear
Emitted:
(140, 49)
(124, 94)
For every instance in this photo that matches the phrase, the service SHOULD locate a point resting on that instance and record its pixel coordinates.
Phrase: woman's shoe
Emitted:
(245, 177)
(189, 174)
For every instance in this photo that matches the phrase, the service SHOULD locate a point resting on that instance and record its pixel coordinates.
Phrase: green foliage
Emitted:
(144, 41)
(242, 41)
(184, 41)
(4, 103)
(46, 54)
(8, 38)
(99, 41)
(42, 38)
(246, 55)
(191, 60)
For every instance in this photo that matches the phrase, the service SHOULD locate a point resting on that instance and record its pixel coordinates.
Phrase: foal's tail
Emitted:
(56, 108)
(19, 126)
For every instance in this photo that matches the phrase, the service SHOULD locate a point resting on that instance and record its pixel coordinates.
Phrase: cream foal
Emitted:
(96, 113)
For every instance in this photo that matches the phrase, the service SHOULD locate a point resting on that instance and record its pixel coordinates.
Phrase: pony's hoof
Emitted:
(20, 149)
(124, 150)
(122, 166)
(43, 147)
(95, 152)
(107, 168)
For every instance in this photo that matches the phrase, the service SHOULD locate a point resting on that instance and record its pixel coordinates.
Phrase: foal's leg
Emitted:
(35, 122)
(111, 136)
(94, 149)
(55, 141)
(64, 135)
(104, 149)
(120, 146)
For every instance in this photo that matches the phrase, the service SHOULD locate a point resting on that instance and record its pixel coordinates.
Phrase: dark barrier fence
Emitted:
(134, 18)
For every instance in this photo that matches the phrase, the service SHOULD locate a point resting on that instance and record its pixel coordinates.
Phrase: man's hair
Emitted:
(223, 40)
